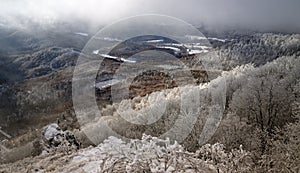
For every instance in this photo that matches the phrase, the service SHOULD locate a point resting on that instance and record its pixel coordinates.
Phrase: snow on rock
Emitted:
(51, 131)
(55, 139)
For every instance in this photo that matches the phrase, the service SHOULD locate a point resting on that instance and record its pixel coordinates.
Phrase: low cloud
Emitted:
(252, 14)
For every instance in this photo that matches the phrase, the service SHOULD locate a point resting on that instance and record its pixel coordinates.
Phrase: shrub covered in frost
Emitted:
(237, 160)
(151, 154)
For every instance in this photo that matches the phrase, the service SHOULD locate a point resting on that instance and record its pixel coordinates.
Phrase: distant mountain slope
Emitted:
(261, 48)
(16, 41)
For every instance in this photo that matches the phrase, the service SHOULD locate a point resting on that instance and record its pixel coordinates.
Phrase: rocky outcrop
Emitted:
(53, 139)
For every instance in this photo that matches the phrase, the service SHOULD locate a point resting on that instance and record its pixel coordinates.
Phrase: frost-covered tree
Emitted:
(284, 152)
(266, 98)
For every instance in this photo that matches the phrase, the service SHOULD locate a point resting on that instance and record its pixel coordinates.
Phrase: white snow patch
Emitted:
(155, 41)
(217, 39)
(192, 52)
(127, 60)
(194, 37)
(105, 84)
(115, 58)
(109, 39)
(169, 47)
(82, 34)
(96, 52)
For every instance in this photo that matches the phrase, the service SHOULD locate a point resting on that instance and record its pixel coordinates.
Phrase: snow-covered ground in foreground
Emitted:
(149, 154)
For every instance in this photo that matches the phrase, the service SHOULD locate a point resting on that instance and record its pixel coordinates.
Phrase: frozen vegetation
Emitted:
(259, 131)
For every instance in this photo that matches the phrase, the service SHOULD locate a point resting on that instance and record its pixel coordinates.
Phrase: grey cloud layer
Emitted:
(268, 14)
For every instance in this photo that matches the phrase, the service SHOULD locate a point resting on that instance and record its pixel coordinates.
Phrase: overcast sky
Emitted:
(266, 14)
